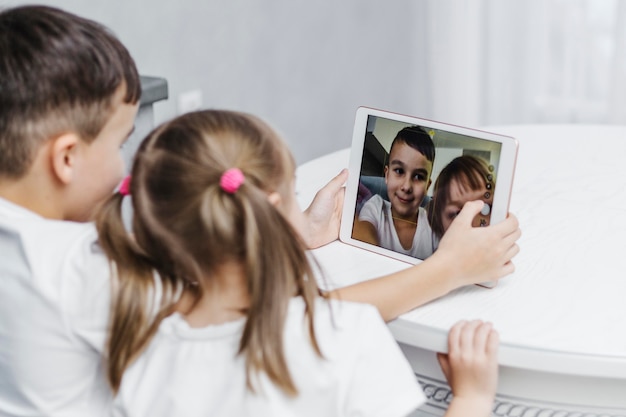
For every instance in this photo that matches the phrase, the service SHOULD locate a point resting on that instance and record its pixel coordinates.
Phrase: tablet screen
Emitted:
(414, 175)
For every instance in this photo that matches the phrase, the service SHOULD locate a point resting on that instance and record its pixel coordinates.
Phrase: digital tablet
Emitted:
(414, 175)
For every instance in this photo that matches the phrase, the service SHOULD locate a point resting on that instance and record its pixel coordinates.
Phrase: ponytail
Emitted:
(276, 272)
(135, 313)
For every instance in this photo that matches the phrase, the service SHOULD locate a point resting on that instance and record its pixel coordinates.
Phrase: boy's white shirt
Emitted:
(196, 371)
(54, 306)
(377, 211)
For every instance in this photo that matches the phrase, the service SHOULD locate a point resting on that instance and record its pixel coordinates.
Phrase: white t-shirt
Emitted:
(377, 211)
(196, 371)
(54, 304)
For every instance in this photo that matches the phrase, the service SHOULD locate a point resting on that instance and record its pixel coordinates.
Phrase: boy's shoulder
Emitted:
(29, 226)
(51, 250)
(376, 204)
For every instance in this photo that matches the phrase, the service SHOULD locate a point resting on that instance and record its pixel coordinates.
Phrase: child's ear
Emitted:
(63, 154)
(275, 199)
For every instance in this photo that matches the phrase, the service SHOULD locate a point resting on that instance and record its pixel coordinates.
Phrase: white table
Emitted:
(562, 315)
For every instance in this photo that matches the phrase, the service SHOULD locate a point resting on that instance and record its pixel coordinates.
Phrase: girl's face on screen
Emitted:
(458, 195)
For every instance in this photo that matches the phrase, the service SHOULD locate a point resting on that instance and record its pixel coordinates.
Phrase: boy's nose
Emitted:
(406, 186)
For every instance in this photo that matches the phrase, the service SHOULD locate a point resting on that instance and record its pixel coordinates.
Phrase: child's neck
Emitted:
(32, 195)
(405, 229)
(225, 298)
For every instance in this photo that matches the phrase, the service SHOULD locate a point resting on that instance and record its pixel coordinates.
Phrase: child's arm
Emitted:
(466, 255)
(365, 232)
(471, 368)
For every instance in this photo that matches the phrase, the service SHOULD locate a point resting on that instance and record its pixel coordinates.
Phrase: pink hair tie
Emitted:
(125, 186)
(231, 180)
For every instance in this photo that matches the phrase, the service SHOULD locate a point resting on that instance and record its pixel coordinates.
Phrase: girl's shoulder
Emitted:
(338, 321)
(360, 357)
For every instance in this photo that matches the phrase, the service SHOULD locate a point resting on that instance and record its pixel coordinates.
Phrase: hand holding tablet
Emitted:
(415, 176)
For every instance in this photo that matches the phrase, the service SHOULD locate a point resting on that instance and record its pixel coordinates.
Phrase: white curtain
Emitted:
(306, 65)
(533, 61)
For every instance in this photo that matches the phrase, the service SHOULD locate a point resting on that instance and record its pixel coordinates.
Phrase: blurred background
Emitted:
(305, 66)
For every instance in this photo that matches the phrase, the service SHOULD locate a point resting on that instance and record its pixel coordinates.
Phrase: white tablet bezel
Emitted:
(504, 174)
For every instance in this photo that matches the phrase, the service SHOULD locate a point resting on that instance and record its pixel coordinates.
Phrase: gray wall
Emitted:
(304, 66)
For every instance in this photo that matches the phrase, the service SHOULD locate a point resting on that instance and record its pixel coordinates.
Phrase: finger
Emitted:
(509, 253)
(512, 251)
(507, 269)
(454, 336)
(468, 333)
(513, 236)
(339, 180)
(481, 335)
(469, 211)
(507, 250)
(508, 226)
(507, 244)
(493, 343)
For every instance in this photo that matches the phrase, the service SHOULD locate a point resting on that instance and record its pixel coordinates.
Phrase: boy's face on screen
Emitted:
(100, 166)
(407, 177)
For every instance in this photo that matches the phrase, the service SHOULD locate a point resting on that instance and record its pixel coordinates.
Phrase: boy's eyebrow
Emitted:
(399, 162)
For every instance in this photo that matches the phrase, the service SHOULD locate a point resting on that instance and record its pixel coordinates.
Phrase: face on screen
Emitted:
(409, 194)
(465, 178)
(407, 176)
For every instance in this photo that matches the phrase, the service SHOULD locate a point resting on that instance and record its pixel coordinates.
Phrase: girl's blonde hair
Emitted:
(185, 226)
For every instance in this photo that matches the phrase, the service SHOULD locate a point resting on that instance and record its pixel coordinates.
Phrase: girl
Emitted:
(465, 178)
(216, 309)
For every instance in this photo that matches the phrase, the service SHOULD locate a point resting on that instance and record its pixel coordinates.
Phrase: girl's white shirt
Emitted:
(197, 372)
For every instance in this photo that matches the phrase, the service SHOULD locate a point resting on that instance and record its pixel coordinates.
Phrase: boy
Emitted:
(68, 95)
(401, 224)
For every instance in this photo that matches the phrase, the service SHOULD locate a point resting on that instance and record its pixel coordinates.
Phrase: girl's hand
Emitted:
(471, 366)
(479, 254)
(324, 212)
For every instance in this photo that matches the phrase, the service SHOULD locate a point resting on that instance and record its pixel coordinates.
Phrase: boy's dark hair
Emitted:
(58, 73)
(418, 139)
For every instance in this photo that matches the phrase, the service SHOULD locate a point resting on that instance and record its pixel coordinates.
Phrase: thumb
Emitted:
(333, 186)
(469, 211)
(339, 180)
